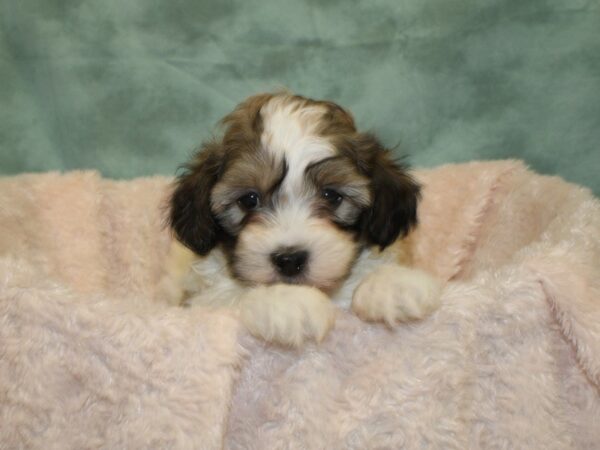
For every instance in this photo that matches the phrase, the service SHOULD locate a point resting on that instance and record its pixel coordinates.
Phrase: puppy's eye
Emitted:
(332, 196)
(249, 201)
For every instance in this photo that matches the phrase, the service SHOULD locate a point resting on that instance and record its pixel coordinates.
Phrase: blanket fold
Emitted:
(91, 356)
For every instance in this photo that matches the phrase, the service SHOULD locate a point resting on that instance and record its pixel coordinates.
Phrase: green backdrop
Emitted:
(130, 87)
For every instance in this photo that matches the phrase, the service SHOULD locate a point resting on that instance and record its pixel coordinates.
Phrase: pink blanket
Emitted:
(91, 356)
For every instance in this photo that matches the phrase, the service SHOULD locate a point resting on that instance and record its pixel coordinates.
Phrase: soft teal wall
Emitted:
(130, 87)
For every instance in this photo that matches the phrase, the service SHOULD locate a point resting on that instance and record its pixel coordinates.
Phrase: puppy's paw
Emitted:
(287, 314)
(393, 294)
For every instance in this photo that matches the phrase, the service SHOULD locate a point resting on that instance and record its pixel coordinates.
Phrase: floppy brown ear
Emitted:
(190, 215)
(393, 211)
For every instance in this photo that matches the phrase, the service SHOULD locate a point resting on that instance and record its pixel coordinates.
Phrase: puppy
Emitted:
(288, 213)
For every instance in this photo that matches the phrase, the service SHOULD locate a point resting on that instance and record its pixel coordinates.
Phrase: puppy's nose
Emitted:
(289, 262)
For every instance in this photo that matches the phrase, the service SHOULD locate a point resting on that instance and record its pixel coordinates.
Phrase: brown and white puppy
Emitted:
(290, 210)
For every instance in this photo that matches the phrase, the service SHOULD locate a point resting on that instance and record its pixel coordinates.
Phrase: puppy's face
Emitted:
(292, 192)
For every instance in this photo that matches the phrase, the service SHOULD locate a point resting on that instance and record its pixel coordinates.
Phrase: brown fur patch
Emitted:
(341, 174)
(251, 171)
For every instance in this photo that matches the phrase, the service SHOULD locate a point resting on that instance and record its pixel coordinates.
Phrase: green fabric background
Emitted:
(130, 87)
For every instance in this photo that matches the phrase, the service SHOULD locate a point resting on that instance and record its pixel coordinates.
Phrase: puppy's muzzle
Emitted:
(290, 262)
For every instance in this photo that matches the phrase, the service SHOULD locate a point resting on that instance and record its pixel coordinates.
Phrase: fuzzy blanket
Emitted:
(91, 356)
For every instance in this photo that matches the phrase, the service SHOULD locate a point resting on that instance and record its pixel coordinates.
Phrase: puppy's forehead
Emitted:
(292, 132)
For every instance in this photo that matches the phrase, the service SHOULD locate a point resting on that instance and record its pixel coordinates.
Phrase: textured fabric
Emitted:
(131, 87)
(91, 355)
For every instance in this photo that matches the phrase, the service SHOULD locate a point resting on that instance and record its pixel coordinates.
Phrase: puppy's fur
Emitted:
(290, 209)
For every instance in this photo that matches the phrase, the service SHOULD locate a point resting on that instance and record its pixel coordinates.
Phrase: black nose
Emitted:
(289, 263)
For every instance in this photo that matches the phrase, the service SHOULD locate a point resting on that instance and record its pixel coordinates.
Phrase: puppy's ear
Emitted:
(393, 211)
(190, 215)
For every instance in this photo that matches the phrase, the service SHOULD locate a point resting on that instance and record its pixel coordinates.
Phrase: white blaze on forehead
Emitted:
(290, 132)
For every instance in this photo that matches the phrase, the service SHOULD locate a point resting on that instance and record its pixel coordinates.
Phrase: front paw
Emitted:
(287, 314)
(393, 294)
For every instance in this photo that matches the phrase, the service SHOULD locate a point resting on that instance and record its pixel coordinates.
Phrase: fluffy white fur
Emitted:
(287, 314)
(290, 133)
(393, 294)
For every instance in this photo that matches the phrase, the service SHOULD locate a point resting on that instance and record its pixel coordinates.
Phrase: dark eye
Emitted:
(332, 196)
(249, 201)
